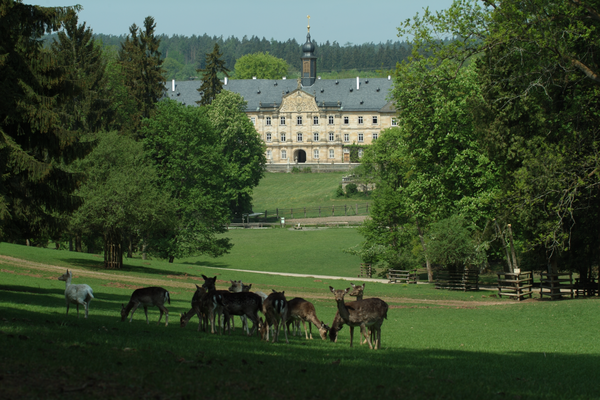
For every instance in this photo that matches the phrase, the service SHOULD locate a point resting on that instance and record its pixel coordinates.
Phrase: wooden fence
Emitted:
(317, 212)
(515, 285)
(464, 280)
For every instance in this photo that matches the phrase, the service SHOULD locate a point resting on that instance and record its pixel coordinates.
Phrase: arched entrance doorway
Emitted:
(300, 156)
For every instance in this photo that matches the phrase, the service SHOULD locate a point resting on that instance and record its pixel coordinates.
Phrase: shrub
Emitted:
(339, 192)
(351, 189)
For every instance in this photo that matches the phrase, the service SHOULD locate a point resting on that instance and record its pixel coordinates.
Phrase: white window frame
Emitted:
(375, 136)
(268, 138)
(299, 137)
(361, 137)
(360, 153)
(316, 154)
(299, 120)
(330, 120)
(375, 120)
(268, 121)
(346, 137)
(315, 120)
(360, 120)
(253, 120)
(394, 122)
(331, 136)
(283, 154)
(282, 137)
(346, 120)
(282, 120)
(331, 153)
(315, 136)
(269, 154)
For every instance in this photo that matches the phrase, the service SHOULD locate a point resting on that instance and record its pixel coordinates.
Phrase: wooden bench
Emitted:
(587, 288)
(402, 276)
(458, 280)
(515, 285)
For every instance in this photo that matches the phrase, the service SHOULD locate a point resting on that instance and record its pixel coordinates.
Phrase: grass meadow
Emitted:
(284, 191)
(435, 344)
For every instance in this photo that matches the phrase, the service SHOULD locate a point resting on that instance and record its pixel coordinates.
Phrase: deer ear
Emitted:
(364, 285)
(347, 290)
(332, 289)
(197, 287)
(204, 277)
(353, 285)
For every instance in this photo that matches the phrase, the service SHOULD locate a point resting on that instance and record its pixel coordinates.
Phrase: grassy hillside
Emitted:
(277, 190)
(436, 344)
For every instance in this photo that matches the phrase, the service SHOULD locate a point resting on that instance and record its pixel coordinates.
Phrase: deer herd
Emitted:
(217, 308)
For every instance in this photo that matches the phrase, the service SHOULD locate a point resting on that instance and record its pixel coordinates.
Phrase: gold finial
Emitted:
(308, 16)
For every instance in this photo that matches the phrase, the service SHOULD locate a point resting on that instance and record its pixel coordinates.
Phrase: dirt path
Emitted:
(324, 220)
(183, 282)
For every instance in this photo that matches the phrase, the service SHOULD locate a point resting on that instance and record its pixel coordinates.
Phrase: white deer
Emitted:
(304, 311)
(366, 314)
(150, 296)
(76, 294)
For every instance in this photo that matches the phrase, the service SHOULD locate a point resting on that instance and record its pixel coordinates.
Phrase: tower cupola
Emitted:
(309, 61)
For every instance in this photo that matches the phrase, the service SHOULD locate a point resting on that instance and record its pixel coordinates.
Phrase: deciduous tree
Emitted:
(261, 66)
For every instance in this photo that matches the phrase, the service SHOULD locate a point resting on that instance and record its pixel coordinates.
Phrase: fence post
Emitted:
(277, 212)
(356, 209)
(332, 211)
(345, 210)
(265, 214)
(292, 212)
(319, 211)
(304, 212)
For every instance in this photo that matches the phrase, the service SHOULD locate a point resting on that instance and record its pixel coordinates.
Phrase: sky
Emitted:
(349, 21)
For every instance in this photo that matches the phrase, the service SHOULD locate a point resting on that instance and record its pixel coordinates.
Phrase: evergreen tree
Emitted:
(81, 57)
(142, 69)
(211, 84)
(35, 148)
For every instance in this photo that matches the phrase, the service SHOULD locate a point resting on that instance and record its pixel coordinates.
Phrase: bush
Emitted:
(339, 192)
(351, 189)
(296, 170)
(307, 170)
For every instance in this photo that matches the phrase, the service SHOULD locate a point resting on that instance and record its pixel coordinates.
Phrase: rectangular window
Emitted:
(346, 137)
(269, 155)
(316, 120)
(299, 120)
(360, 120)
(360, 153)
(282, 121)
(330, 120)
(316, 154)
(283, 137)
(331, 136)
(253, 119)
(375, 120)
(346, 120)
(283, 154)
(268, 137)
(299, 136)
(268, 121)
(375, 136)
(394, 122)
(360, 137)
(315, 136)
(331, 153)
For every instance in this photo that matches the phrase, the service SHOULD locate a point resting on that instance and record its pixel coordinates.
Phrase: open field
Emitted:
(277, 190)
(436, 344)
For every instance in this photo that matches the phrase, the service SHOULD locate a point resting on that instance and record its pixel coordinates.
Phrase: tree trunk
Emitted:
(512, 249)
(171, 259)
(130, 248)
(508, 267)
(144, 247)
(427, 262)
(113, 251)
(78, 247)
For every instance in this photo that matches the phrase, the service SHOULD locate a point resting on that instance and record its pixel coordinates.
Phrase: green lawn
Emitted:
(436, 344)
(284, 191)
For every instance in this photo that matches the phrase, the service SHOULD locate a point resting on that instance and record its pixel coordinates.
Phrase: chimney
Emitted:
(389, 77)
(225, 81)
(173, 85)
(357, 83)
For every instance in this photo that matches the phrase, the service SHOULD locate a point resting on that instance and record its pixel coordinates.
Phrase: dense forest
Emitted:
(183, 55)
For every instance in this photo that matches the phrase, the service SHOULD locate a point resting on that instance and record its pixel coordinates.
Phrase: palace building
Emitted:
(309, 120)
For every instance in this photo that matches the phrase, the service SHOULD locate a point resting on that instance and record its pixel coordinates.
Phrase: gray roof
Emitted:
(372, 94)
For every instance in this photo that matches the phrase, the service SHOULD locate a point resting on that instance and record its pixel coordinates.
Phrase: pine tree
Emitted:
(78, 53)
(211, 84)
(35, 149)
(142, 68)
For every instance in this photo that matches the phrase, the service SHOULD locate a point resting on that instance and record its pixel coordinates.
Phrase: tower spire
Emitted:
(309, 61)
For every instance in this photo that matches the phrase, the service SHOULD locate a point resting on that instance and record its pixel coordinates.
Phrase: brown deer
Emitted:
(237, 287)
(304, 311)
(358, 292)
(198, 308)
(214, 303)
(366, 314)
(276, 312)
(150, 296)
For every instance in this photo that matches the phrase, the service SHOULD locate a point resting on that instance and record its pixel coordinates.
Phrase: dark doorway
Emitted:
(300, 156)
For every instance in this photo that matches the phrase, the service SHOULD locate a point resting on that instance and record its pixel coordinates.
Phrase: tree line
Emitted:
(93, 156)
(183, 55)
(496, 149)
